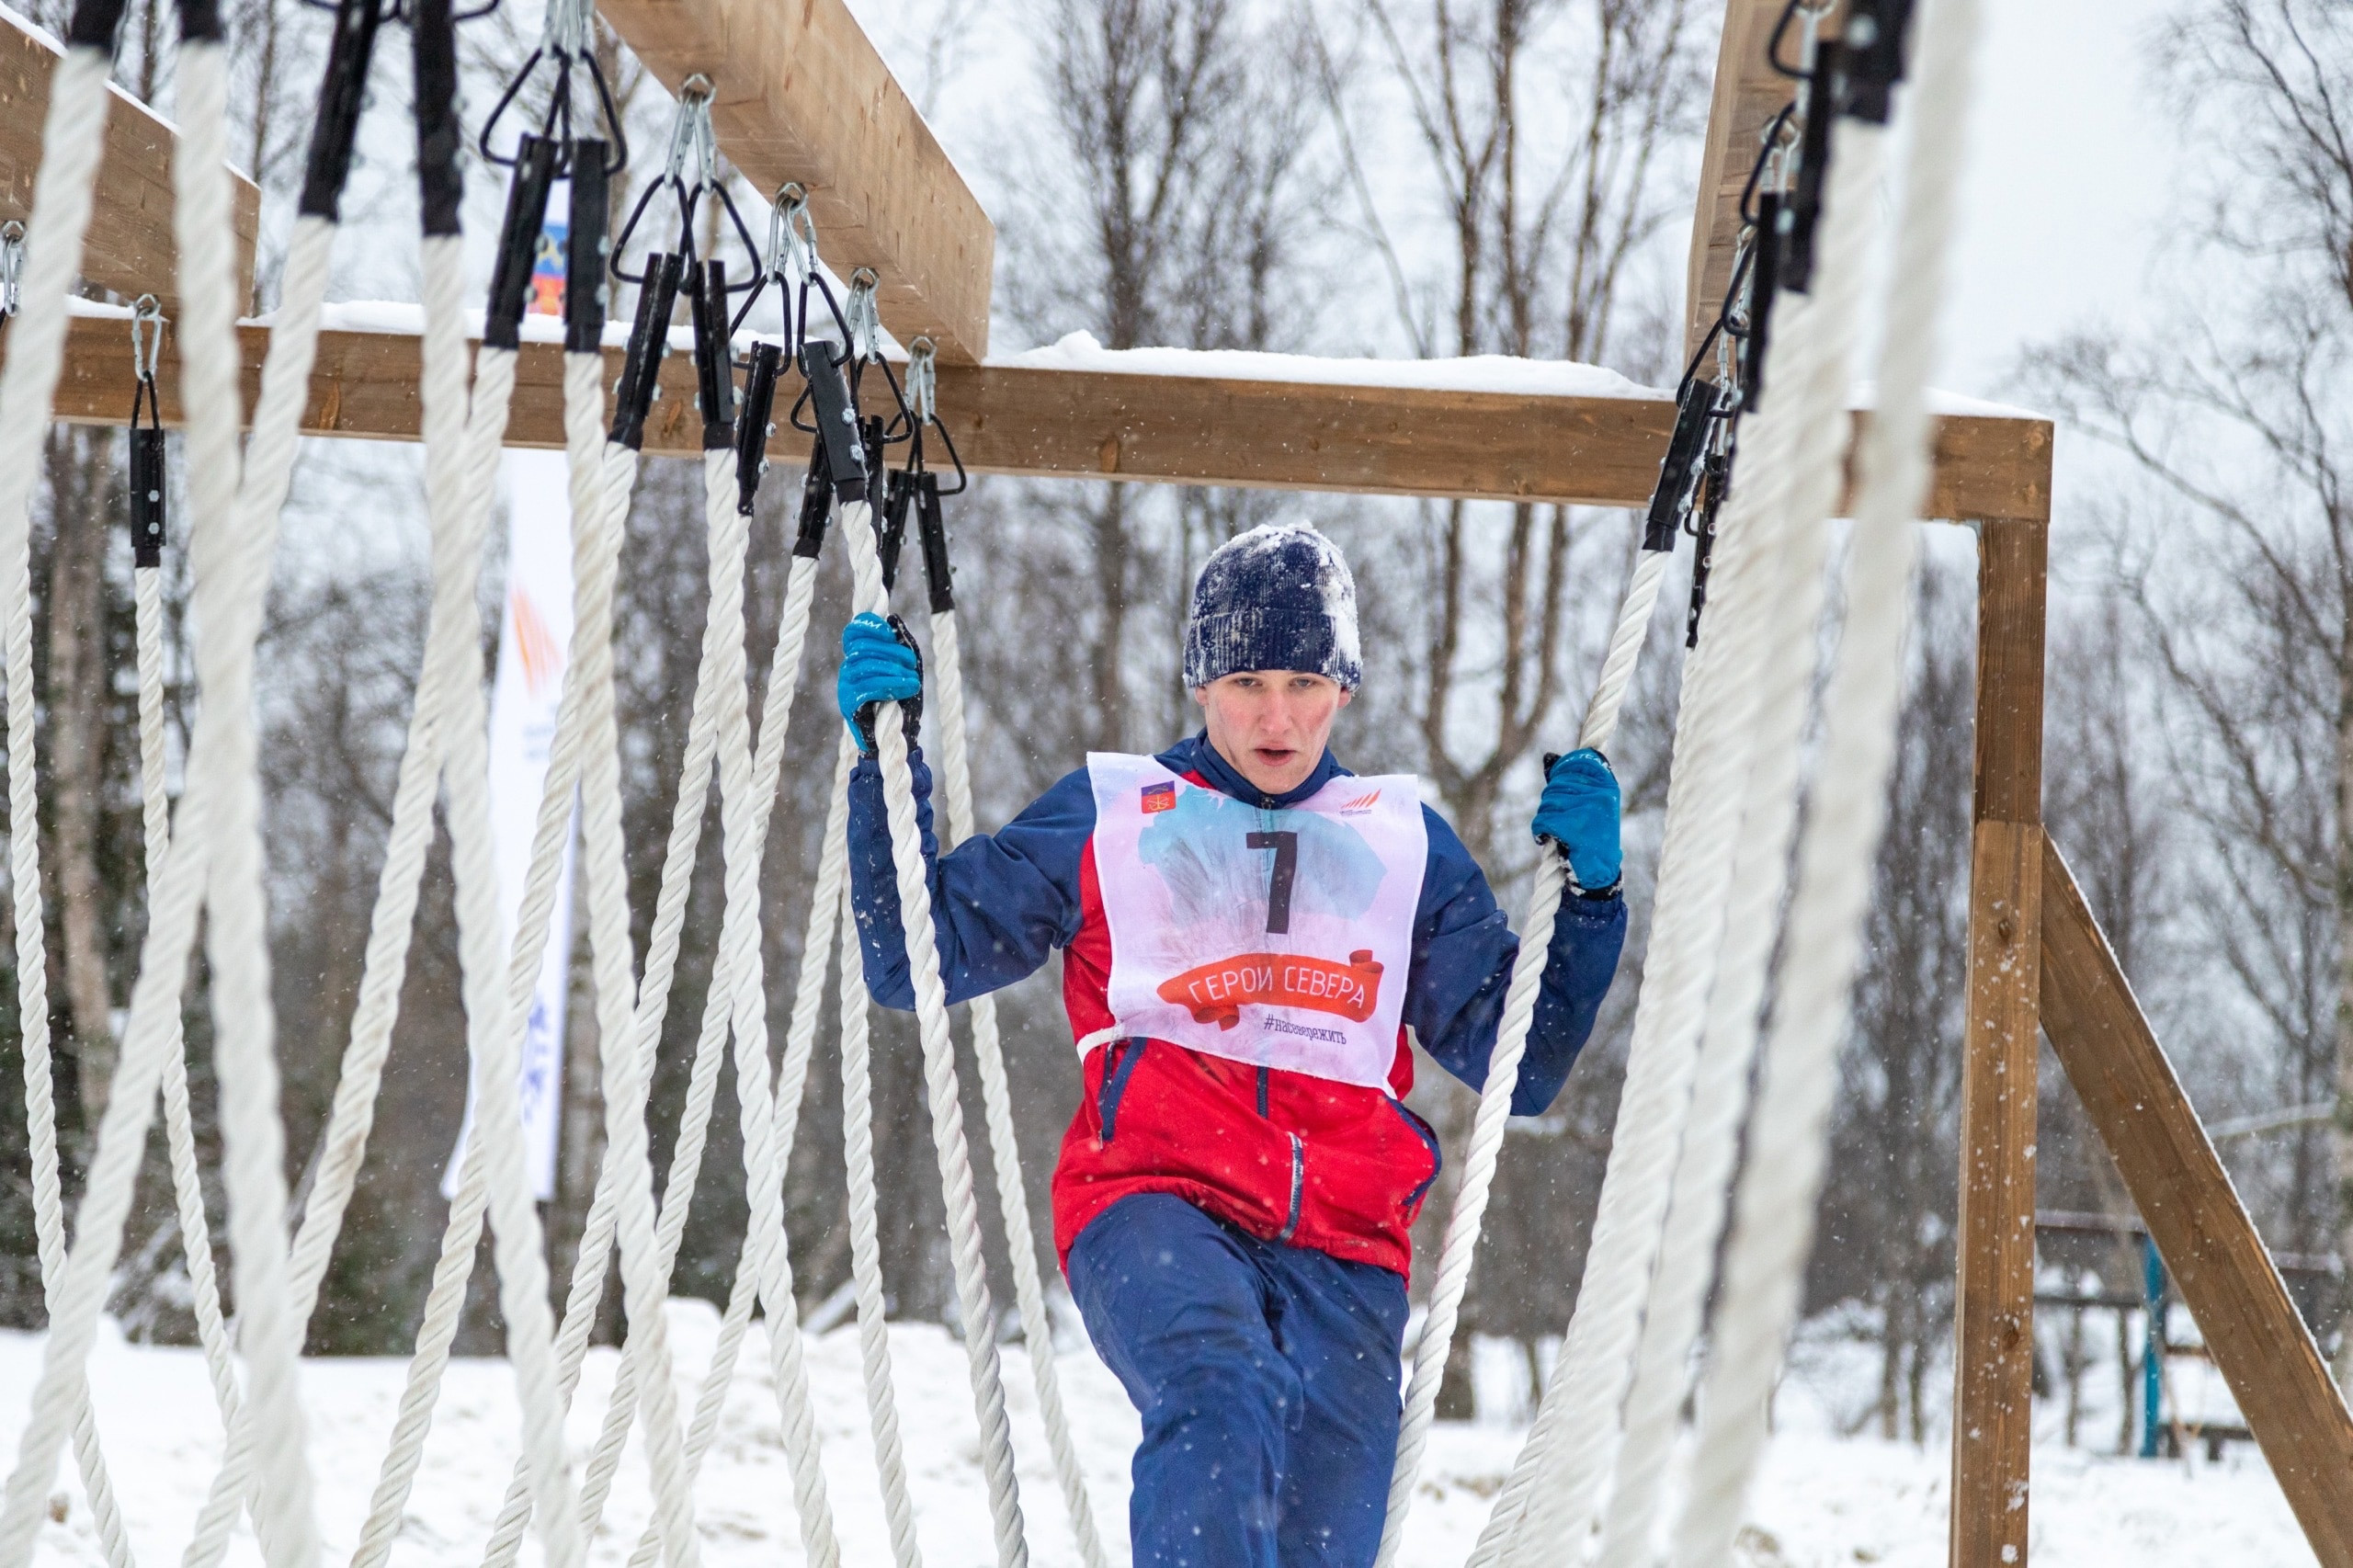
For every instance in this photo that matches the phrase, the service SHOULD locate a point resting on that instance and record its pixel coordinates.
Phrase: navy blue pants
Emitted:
(1267, 1379)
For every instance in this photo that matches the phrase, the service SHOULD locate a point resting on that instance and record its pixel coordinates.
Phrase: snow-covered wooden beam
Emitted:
(130, 247)
(1479, 429)
(800, 94)
(1748, 92)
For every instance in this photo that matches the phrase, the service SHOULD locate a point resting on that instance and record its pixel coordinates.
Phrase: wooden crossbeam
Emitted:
(2249, 1323)
(129, 248)
(1372, 440)
(800, 94)
(1748, 92)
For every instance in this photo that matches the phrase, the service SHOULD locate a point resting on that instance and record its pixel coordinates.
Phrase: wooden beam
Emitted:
(800, 94)
(1159, 429)
(2244, 1313)
(129, 248)
(1748, 92)
(1994, 1325)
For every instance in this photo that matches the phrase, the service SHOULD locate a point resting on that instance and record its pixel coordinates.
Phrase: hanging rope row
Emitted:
(1733, 818)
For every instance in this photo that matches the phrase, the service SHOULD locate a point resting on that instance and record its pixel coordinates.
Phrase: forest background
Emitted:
(1398, 178)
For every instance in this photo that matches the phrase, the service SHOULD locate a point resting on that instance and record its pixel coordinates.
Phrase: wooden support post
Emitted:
(1994, 1322)
(2184, 1196)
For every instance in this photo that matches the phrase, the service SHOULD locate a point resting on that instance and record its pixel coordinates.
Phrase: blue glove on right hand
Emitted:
(1579, 812)
(879, 664)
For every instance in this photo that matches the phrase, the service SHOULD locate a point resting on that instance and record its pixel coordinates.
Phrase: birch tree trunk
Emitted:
(81, 464)
(2341, 1127)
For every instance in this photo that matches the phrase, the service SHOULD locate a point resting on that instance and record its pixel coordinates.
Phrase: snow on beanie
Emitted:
(1278, 597)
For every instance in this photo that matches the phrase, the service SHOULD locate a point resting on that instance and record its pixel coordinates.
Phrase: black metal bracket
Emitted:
(441, 184)
(931, 528)
(714, 359)
(1670, 500)
(341, 94)
(816, 504)
(519, 240)
(583, 257)
(649, 339)
(1877, 38)
(756, 423)
(837, 415)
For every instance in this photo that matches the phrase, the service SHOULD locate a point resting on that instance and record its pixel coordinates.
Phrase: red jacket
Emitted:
(1281, 1155)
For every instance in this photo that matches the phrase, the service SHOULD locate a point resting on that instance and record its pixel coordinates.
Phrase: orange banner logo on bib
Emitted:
(1214, 993)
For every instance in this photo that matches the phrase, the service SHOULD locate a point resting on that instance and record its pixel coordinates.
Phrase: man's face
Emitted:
(1271, 724)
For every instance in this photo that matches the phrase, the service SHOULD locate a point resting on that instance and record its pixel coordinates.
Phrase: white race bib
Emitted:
(1282, 939)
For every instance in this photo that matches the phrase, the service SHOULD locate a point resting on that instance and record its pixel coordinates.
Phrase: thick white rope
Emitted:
(1558, 1470)
(445, 1298)
(77, 107)
(643, 1287)
(1461, 1247)
(1626, 641)
(227, 611)
(1760, 872)
(493, 1044)
(770, 1121)
(864, 1245)
(722, 629)
(236, 929)
(780, 1112)
(179, 1123)
(996, 1100)
(451, 648)
(1773, 1226)
(939, 1071)
(737, 993)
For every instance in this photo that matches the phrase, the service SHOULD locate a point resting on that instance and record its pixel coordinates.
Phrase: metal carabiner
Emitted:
(864, 316)
(146, 337)
(792, 237)
(12, 265)
(922, 381)
(691, 137)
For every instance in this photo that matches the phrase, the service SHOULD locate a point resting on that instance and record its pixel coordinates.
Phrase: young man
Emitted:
(1247, 934)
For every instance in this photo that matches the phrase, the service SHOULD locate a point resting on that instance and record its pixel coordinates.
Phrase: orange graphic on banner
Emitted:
(534, 644)
(1215, 993)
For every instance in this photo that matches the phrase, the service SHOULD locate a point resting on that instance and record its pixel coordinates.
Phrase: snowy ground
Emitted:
(1824, 1499)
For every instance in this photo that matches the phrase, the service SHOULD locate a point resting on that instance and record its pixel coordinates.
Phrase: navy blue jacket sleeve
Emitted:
(1002, 902)
(1463, 952)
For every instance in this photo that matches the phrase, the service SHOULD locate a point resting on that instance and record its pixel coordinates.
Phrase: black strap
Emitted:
(95, 22)
(649, 339)
(756, 423)
(931, 527)
(341, 94)
(441, 185)
(583, 258)
(147, 478)
(714, 359)
(836, 418)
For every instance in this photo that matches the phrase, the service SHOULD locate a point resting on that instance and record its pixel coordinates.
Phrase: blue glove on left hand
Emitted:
(1579, 812)
(879, 664)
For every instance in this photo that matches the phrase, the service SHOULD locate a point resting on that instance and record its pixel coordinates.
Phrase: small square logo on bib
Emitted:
(1160, 797)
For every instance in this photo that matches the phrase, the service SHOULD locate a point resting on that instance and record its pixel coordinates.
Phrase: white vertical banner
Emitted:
(534, 644)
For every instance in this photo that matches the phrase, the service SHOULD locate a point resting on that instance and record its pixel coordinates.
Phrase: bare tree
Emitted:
(2238, 427)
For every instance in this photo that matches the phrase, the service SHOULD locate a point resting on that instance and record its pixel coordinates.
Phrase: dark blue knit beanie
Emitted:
(1278, 597)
